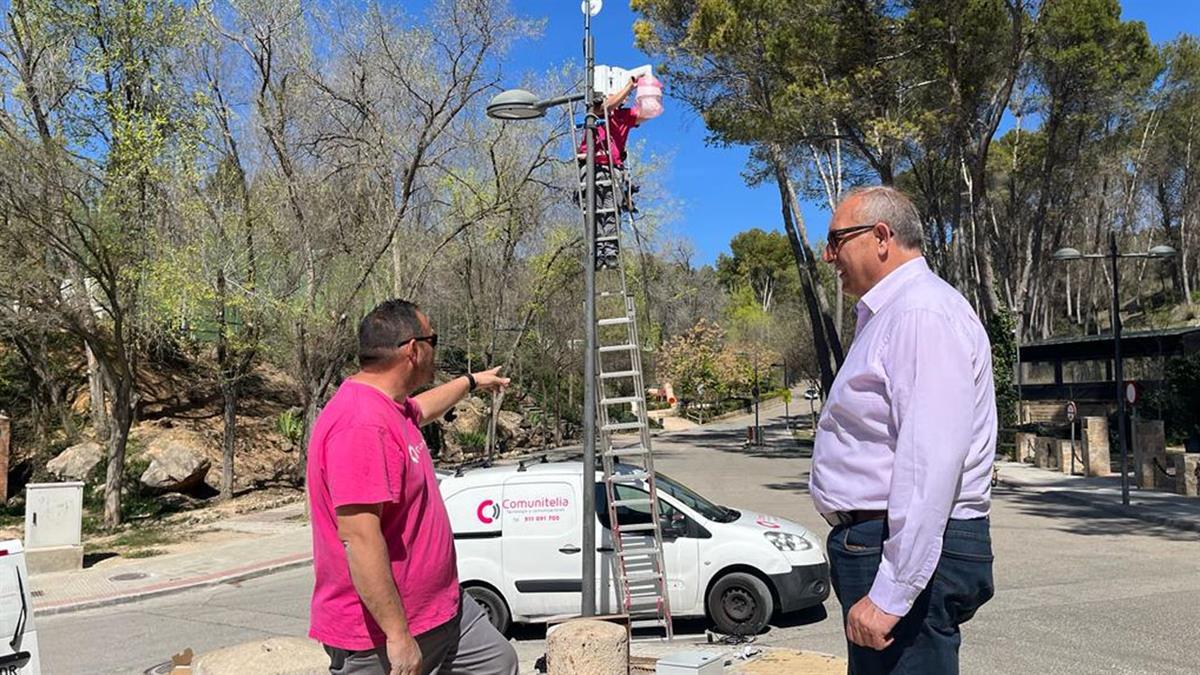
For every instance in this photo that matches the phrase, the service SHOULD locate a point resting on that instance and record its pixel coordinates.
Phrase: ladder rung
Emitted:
(631, 502)
(605, 210)
(612, 294)
(619, 373)
(648, 623)
(642, 576)
(625, 452)
(631, 477)
(640, 527)
(615, 321)
(621, 426)
(619, 400)
(602, 240)
(617, 348)
(642, 551)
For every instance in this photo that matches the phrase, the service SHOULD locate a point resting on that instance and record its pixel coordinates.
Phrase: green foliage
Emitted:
(290, 425)
(1000, 330)
(761, 262)
(471, 440)
(1179, 400)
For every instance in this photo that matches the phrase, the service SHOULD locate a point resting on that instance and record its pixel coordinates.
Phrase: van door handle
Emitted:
(604, 549)
(570, 548)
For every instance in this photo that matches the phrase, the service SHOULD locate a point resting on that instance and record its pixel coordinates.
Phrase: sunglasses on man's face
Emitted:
(839, 237)
(431, 339)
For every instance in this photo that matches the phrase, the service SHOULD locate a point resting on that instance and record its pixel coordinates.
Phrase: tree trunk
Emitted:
(96, 386)
(826, 344)
(230, 395)
(122, 421)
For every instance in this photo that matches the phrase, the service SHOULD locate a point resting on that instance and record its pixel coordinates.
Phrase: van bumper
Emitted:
(802, 587)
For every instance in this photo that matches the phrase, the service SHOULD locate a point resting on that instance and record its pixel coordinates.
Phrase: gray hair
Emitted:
(881, 203)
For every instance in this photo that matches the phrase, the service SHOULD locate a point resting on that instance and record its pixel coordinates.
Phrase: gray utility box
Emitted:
(53, 524)
(690, 663)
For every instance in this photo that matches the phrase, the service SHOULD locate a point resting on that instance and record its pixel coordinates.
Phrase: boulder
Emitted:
(587, 647)
(177, 464)
(273, 656)
(77, 462)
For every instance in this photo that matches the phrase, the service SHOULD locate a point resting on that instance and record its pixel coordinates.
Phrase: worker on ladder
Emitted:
(613, 134)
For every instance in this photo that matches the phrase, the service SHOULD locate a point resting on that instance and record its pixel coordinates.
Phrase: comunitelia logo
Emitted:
(488, 511)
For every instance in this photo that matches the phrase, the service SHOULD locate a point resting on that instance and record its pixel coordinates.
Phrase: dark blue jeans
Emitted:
(926, 639)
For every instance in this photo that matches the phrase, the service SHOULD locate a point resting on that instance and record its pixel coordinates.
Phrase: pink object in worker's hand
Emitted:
(649, 97)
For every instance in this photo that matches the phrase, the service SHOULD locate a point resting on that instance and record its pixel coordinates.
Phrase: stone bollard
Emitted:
(1045, 453)
(587, 647)
(1187, 474)
(1149, 444)
(1070, 459)
(1026, 447)
(1096, 460)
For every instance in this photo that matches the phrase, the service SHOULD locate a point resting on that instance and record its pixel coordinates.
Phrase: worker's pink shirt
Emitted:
(367, 449)
(612, 136)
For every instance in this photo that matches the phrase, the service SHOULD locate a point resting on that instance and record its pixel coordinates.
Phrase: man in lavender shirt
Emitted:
(904, 447)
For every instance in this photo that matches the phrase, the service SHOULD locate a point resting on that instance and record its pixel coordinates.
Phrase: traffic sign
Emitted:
(811, 394)
(1132, 391)
(1072, 411)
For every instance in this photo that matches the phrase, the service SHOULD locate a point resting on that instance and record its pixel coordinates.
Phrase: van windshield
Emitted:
(711, 511)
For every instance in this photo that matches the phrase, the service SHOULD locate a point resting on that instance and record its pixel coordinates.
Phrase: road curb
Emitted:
(225, 577)
(1115, 509)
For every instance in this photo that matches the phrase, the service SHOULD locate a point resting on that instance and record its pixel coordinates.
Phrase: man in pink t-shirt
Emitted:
(386, 598)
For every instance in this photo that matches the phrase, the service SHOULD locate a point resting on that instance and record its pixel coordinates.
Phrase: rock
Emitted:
(276, 656)
(508, 426)
(176, 465)
(76, 462)
(587, 647)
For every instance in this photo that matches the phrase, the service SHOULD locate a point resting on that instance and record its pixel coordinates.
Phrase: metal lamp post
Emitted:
(519, 104)
(1068, 254)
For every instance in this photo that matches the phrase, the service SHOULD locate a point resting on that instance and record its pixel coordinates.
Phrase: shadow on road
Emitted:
(1079, 518)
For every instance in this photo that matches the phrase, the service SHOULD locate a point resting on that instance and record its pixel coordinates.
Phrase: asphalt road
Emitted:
(1078, 591)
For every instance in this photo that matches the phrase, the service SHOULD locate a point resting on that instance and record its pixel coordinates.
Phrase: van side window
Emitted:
(634, 514)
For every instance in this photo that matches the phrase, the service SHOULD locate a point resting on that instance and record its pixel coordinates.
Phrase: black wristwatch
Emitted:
(470, 383)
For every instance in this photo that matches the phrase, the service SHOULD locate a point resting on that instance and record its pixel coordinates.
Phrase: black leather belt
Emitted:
(852, 517)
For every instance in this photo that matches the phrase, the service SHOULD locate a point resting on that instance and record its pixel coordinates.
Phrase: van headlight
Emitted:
(788, 542)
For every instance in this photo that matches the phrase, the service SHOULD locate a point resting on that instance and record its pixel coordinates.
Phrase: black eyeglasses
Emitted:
(839, 237)
(431, 339)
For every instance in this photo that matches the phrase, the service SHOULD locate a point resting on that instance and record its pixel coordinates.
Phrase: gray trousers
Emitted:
(468, 644)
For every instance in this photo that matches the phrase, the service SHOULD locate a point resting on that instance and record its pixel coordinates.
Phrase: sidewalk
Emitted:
(1153, 506)
(250, 545)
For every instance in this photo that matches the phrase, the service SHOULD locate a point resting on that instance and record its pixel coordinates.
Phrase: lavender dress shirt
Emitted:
(909, 425)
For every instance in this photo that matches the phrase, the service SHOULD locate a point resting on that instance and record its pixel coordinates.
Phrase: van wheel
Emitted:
(740, 604)
(493, 606)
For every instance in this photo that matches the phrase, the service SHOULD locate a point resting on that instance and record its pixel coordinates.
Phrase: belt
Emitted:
(852, 517)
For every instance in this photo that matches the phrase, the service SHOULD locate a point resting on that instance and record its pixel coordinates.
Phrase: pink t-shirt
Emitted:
(619, 122)
(368, 449)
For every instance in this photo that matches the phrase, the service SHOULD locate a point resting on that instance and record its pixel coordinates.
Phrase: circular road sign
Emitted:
(1072, 411)
(1132, 391)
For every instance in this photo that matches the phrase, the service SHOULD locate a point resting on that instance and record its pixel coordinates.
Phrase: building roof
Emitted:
(1163, 343)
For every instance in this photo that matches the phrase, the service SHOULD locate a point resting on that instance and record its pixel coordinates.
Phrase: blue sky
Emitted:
(707, 182)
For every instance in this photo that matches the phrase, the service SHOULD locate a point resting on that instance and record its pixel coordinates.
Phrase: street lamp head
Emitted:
(1161, 251)
(514, 104)
(1066, 254)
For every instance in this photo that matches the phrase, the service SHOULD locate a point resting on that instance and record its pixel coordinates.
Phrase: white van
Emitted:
(18, 637)
(518, 531)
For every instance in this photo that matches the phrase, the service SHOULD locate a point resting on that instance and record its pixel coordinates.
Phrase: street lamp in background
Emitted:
(1068, 254)
(519, 104)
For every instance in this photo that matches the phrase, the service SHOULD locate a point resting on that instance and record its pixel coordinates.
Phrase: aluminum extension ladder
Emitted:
(624, 449)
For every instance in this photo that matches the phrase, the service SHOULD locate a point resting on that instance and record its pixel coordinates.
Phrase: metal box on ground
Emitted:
(690, 663)
(53, 526)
